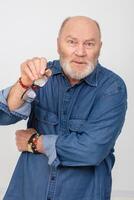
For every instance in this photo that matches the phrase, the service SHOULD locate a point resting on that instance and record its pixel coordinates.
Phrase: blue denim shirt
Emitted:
(80, 125)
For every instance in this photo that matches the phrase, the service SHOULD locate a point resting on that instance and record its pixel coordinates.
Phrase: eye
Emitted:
(89, 44)
(71, 42)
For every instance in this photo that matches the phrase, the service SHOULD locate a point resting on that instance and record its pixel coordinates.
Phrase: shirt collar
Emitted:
(56, 67)
(91, 79)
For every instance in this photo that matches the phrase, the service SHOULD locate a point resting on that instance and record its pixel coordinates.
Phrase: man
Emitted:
(74, 120)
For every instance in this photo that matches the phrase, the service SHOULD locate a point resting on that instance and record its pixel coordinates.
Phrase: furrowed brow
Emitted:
(70, 36)
(90, 40)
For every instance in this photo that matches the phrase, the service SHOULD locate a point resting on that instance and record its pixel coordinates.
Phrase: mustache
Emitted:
(79, 61)
(75, 73)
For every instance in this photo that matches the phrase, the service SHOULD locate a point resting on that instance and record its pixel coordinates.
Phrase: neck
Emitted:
(73, 81)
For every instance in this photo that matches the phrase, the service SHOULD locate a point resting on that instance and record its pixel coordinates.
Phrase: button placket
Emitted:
(52, 184)
(65, 105)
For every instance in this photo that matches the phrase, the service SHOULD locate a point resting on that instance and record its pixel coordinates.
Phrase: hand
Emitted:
(22, 137)
(34, 69)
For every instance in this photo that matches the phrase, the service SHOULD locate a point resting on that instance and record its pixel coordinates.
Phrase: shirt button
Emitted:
(64, 112)
(53, 178)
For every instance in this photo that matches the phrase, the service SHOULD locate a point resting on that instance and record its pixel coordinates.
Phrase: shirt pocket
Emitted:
(46, 122)
(76, 125)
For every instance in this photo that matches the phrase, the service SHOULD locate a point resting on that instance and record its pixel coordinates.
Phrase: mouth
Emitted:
(79, 62)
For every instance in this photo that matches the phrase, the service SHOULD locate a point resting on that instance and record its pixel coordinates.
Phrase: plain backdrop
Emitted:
(29, 28)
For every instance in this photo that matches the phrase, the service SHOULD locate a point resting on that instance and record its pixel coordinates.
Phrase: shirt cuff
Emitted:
(24, 110)
(49, 142)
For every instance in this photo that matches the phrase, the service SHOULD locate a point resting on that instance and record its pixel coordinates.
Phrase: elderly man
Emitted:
(74, 120)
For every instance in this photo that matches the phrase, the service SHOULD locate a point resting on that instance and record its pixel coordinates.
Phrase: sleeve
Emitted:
(10, 117)
(49, 142)
(96, 138)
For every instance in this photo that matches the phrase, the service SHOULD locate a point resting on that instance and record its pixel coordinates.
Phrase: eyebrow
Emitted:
(90, 40)
(87, 40)
(69, 36)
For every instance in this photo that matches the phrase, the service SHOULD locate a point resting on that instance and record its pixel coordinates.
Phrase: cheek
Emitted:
(93, 55)
(65, 53)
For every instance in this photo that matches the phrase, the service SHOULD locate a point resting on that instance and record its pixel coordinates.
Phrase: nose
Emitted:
(80, 50)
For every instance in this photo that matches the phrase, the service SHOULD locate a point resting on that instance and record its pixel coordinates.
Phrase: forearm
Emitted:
(9, 117)
(31, 70)
(14, 99)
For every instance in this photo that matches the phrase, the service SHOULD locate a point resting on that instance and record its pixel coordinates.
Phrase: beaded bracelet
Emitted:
(27, 87)
(22, 85)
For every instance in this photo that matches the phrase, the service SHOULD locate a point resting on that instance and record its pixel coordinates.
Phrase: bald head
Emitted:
(78, 46)
(77, 20)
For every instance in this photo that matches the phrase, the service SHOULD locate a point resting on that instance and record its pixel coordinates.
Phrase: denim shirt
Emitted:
(80, 124)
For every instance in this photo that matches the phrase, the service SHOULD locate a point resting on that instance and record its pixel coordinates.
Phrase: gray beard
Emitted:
(77, 75)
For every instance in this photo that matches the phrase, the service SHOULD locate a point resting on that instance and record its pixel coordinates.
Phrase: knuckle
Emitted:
(23, 65)
(44, 59)
(36, 60)
(30, 62)
(26, 62)
(44, 62)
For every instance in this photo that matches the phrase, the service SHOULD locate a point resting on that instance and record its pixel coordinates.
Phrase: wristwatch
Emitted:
(32, 143)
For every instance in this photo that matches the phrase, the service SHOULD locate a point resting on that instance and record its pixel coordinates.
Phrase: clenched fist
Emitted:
(22, 137)
(34, 69)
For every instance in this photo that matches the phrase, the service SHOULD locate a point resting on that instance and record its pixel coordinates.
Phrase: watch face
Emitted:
(41, 82)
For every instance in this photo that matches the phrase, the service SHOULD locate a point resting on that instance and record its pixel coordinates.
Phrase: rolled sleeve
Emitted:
(23, 112)
(49, 147)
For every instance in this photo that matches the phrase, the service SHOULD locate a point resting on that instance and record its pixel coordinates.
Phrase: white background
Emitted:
(29, 28)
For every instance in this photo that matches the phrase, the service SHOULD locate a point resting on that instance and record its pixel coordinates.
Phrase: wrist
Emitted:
(40, 146)
(23, 84)
(32, 143)
(28, 91)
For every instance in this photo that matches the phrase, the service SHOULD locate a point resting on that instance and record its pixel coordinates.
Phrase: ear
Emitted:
(100, 48)
(58, 47)
(100, 44)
